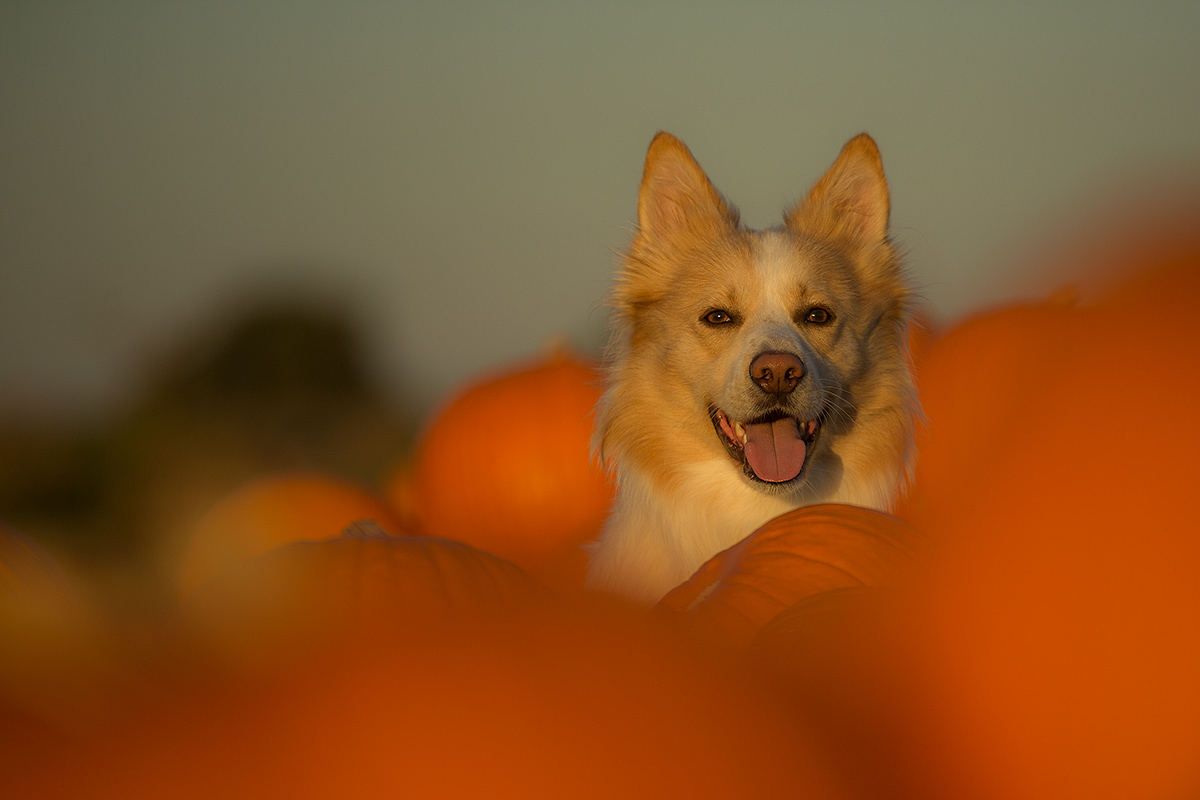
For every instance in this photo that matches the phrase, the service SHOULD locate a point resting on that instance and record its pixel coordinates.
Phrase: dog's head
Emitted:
(787, 345)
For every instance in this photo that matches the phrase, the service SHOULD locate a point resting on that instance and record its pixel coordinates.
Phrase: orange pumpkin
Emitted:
(362, 585)
(505, 466)
(839, 659)
(966, 380)
(796, 555)
(579, 705)
(1057, 650)
(272, 511)
(25, 567)
(57, 658)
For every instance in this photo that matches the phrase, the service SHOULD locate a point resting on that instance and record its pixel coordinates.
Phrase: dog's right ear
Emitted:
(850, 201)
(676, 201)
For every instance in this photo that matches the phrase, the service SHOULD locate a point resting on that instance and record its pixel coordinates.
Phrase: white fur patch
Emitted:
(777, 265)
(642, 554)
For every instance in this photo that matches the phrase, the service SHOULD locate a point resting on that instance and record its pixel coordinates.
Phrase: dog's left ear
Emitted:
(850, 201)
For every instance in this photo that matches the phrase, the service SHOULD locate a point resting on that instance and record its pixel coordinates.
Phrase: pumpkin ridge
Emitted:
(811, 560)
(887, 538)
(737, 609)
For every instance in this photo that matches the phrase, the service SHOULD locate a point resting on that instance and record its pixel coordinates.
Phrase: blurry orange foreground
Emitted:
(509, 694)
(1059, 644)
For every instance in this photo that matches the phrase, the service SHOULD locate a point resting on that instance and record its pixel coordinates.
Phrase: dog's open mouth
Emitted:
(771, 448)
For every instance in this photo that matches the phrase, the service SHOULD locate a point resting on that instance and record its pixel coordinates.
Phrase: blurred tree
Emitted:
(282, 388)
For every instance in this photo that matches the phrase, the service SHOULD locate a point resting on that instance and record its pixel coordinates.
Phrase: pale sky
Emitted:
(460, 175)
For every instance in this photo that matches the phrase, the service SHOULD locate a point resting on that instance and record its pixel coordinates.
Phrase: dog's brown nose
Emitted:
(777, 373)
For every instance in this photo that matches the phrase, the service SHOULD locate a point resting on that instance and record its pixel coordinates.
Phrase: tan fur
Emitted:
(681, 496)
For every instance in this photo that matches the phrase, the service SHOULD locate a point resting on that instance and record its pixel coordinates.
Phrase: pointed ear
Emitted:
(851, 199)
(676, 199)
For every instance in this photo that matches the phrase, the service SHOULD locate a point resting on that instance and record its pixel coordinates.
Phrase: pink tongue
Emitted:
(775, 450)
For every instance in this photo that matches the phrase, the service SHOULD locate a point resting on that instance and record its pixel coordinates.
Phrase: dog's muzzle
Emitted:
(773, 448)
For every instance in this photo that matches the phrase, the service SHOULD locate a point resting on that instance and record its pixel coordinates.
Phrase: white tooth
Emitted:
(740, 430)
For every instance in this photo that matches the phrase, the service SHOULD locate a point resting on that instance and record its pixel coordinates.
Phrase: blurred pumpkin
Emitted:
(801, 553)
(967, 379)
(25, 567)
(365, 585)
(1056, 646)
(272, 511)
(839, 659)
(505, 466)
(585, 705)
(57, 654)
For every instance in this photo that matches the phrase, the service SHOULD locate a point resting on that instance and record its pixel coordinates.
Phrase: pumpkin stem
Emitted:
(363, 528)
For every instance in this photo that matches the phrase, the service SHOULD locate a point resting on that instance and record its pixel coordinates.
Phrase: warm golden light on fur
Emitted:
(679, 390)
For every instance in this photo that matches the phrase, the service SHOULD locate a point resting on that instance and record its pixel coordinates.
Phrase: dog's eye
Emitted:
(718, 317)
(818, 315)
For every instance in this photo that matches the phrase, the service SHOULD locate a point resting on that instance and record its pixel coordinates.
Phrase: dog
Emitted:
(749, 372)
